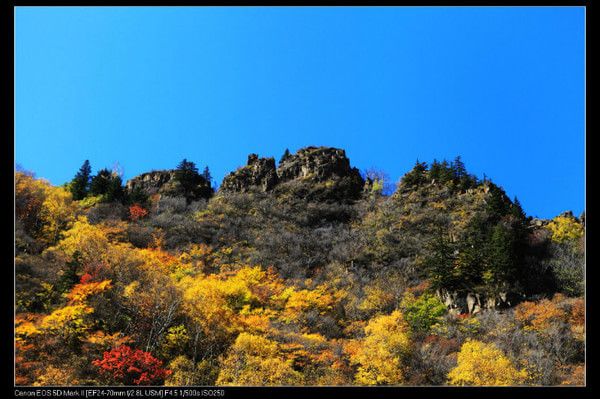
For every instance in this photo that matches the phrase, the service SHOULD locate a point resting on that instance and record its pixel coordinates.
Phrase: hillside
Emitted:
(294, 272)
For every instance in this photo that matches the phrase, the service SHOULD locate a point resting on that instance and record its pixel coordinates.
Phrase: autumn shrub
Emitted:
(128, 366)
(186, 373)
(84, 241)
(136, 212)
(381, 356)
(539, 316)
(30, 194)
(573, 375)
(422, 313)
(37, 282)
(256, 360)
(577, 318)
(567, 266)
(524, 348)
(57, 376)
(141, 236)
(106, 212)
(432, 360)
(482, 364)
(565, 228)
(179, 230)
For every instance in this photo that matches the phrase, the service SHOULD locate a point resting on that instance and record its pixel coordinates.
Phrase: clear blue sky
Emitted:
(146, 87)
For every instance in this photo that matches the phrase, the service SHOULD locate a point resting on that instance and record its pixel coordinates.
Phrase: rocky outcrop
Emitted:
(474, 302)
(164, 182)
(321, 174)
(315, 173)
(537, 223)
(151, 182)
(316, 163)
(259, 173)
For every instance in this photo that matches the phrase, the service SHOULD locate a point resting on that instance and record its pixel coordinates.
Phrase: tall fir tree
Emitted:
(286, 155)
(206, 174)
(417, 175)
(187, 175)
(107, 184)
(516, 209)
(459, 169)
(440, 263)
(80, 184)
(435, 171)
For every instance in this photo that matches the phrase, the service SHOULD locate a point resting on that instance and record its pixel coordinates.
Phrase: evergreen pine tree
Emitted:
(501, 258)
(115, 189)
(187, 175)
(286, 155)
(108, 185)
(435, 171)
(80, 184)
(101, 182)
(517, 210)
(417, 175)
(138, 196)
(206, 174)
(440, 263)
(458, 168)
(471, 253)
(446, 173)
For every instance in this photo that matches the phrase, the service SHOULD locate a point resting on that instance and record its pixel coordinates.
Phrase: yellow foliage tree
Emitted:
(319, 299)
(255, 360)
(223, 305)
(484, 364)
(57, 213)
(564, 228)
(70, 321)
(206, 304)
(380, 356)
(56, 376)
(156, 258)
(185, 372)
(25, 327)
(30, 194)
(89, 241)
(376, 299)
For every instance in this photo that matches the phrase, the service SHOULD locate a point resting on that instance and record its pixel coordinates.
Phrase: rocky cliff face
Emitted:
(151, 182)
(316, 163)
(164, 182)
(313, 172)
(259, 173)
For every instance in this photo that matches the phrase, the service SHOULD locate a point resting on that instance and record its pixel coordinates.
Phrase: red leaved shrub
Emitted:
(137, 212)
(132, 366)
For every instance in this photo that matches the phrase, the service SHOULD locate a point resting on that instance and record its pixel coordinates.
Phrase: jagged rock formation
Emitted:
(164, 182)
(150, 182)
(258, 173)
(319, 173)
(536, 223)
(473, 302)
(316, 163)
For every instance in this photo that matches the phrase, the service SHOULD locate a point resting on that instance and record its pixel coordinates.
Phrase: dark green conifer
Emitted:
(286, 155)
(80, 184)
